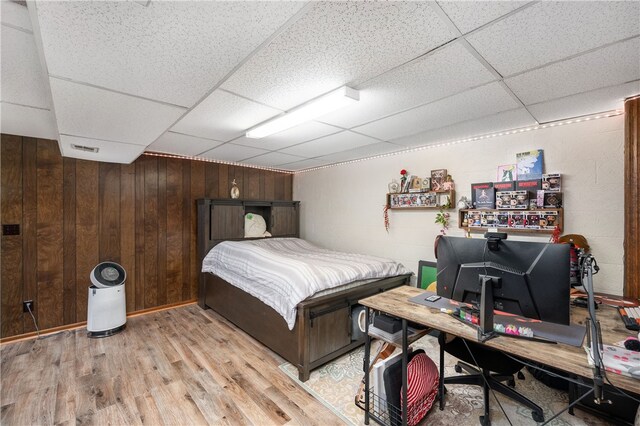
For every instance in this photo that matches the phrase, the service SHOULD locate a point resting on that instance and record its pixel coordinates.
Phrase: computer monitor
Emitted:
(528, 278)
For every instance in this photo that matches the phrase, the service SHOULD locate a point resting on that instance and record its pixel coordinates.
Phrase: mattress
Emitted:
(282, 272)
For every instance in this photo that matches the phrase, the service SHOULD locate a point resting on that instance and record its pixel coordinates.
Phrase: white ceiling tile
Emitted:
(549, 31)
(22, 76)
(223, 116)
(302, 133)
(273, 159)
(469, 15)
(231, 152)
(330, 144)
(580, 74)
(338, 43)
(484, 100)
(15, 14)
(362, 152)
(169, 51)
(449, 70)
(109, 152)
(304, 164)
(507, 120)
(606, 99)
(100, 114)
(176, 143)
(25, 121)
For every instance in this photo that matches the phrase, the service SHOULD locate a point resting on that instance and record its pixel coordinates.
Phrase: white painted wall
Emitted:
(342, 206)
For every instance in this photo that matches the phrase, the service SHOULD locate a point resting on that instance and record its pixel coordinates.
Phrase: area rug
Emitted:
(336, 383)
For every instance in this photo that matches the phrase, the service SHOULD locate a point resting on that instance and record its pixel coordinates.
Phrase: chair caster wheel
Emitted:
(457, 368)
(485, 421)
(538, 417)
(520, 375)
(511, 383)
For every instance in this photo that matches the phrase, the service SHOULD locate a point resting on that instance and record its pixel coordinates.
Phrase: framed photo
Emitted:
(426, 184)
(530, 164)
(437, 179)
(416, 184)
(507, 173)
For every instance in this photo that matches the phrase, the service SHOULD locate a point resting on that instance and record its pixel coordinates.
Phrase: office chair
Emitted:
(495, 368)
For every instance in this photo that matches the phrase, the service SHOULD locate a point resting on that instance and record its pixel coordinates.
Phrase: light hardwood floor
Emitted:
(180, 366)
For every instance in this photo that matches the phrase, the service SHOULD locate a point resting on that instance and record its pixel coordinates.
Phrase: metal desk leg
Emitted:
(441, 342)
(405, 361)
(367, 355)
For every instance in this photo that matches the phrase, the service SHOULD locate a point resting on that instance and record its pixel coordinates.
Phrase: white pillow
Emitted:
(254, 226)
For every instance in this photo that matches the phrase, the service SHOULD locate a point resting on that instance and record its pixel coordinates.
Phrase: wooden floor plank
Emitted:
(181, 366)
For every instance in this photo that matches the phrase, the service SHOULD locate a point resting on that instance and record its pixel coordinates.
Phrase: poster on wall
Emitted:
(507, 173)
(530, 164)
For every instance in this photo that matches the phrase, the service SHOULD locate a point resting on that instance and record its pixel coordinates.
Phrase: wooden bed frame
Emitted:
(323, 329)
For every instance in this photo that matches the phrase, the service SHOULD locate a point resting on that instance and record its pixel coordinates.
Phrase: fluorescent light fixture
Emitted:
(315, 108)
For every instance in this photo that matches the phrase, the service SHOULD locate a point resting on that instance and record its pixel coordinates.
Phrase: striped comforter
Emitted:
(282, 272)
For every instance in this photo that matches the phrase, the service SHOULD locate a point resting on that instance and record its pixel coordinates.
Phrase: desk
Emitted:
(571, 359)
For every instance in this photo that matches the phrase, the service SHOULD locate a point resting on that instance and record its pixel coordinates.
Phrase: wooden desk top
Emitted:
(564, 357)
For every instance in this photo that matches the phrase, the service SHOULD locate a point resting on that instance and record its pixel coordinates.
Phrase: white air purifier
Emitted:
(107, 307)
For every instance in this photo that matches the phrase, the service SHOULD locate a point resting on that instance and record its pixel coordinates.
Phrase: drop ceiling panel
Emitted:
(362, 152)
(109, 152)
(330, 144)
(15, 15)
(26, 121)
(231, 152)
(580, 74)
(600, 100)
(469, 15)
(100, 114)
(507, 120)
(549, 31)
(274, 159)
(22, 76)
(484, 100)
(169, 51)
(337, 43)
(302, 133)
(445, 72)
(223, 116)
(176, 143)
(304, 164)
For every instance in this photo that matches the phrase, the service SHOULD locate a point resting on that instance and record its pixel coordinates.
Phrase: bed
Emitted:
(322, 324)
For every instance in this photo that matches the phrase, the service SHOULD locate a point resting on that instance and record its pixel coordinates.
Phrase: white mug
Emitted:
(362, 320)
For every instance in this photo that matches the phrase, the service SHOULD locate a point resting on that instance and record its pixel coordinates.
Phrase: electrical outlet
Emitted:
(26, 305)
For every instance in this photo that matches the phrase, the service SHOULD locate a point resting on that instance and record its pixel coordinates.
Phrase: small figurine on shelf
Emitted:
(403, 178)
(448, 184)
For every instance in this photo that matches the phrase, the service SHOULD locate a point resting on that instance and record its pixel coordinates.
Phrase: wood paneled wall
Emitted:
(632, 198)
(74, 214)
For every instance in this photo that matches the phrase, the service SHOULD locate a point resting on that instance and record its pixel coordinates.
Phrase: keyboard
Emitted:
(630, 317)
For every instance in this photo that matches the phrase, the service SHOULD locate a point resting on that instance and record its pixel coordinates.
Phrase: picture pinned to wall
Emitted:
(507, 173)
(437, 179)
(530, 164)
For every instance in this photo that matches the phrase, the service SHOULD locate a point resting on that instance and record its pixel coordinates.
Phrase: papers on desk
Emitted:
(618, 360)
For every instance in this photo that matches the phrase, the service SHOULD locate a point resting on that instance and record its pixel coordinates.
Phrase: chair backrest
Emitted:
(427, 273)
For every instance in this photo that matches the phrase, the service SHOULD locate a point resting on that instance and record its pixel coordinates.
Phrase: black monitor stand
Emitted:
(485, 329)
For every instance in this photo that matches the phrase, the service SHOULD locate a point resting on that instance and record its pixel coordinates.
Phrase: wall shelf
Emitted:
(433, 200)
(559, 220)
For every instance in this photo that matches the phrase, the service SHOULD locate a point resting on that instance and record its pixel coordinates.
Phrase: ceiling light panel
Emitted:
(176, 143)
(583, 73)
(469, 15)
(337, 43)
(15, 15)
(330, 144)
(315, 108)
(26, 121)
(95, 113)
(296, 135)
(273, 159)
(592, 102)
(223, 116)
(231, 152)
(550, 31)
(109, 152)
(487, 99)
(22, 78)
(447, 71)
(488, 124)
(169, 51)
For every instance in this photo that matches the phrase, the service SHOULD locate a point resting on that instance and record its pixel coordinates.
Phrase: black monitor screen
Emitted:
(533, 278)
